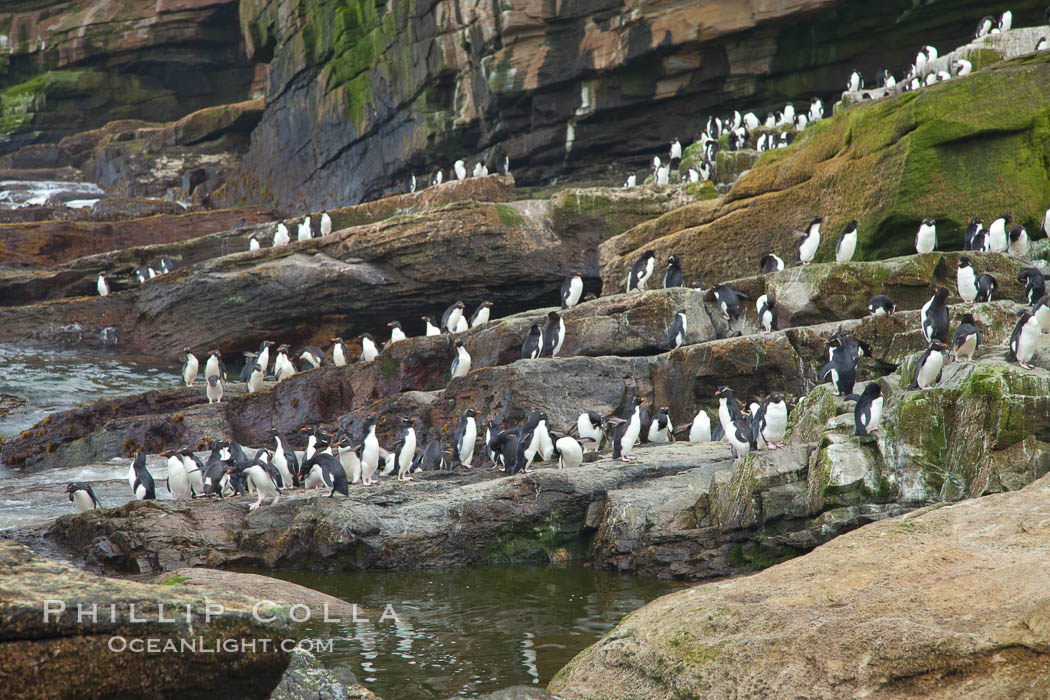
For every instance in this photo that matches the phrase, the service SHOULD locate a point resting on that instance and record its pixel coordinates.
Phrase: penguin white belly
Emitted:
(967, 281)
(724, 419)
(776, 423)
(741, 447)
(351, 465)
(996, 240)
(177, 480)
(369, 351)
(560, 338)
(927, 328)
(255, 382)
(571, 453)
(808, 249)
(926, 240)
(1027, 342)
(404, 457)
(879, 311)
(339, 358)
(968, 347)
(432, 329)
(630, 435)
(462, 324)
(846, 249)
(586, 430)
(461, 366)
(929, 370)
(546, 444)
(259, 478)
(189, 372)
(396, 334)
(132, 477)
(470, 438)
(83, 501)
(482, 318)
(1042, 315)
(658, 434)
(875, 411)
(700, 431)
(315, 479)
(369, 460)
(575, 292)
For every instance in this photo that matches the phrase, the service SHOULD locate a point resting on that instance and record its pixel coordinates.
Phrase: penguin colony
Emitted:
(352, 454)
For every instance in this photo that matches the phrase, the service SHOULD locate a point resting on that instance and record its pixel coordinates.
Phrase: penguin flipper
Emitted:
(851, 397)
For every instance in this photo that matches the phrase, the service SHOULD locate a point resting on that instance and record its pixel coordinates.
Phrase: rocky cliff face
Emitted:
(360, 96)
(67, 66)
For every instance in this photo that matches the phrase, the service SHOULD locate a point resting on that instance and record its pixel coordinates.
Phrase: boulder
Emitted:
(941, 602)
(46, 645)
(306, 679)
(887, 164)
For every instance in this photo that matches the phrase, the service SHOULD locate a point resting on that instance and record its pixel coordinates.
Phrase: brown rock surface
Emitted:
(945, 602)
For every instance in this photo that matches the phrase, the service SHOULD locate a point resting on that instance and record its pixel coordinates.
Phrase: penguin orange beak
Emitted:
(67, 490)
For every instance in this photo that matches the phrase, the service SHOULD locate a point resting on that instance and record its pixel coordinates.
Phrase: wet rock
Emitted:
(70, 658)
(938, 603)
(306, 679)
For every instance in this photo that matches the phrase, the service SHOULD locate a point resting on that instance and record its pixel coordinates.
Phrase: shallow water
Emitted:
(470, 631)
(51, 380)
(24, 193)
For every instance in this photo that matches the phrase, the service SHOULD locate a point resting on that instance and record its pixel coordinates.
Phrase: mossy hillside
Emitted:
(982, 429)
(969, 146)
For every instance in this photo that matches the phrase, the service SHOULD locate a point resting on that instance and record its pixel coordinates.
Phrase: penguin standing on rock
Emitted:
(625, 435)
(660, 427)
(700, 428)
(396, 333)
(450, 319)
(807, 250)
(966, 278)
(641, 271)
(214, 366)
(553, 335)
(966, 339)
(405, 451)
(842, 366)
(326, 223)
(464, 439)
(1024, 339)
(369, 449)
(676, 333)
(255, 380)
(1034, 284)
(996, 241)
(673, 277)
(928, 370)
(369, 349)
(214, 389)
(1019, 242)
(926, 237)
(589, 427)
(976, 224)
(81, 496)
(140, 480)
(481, 315)
(340, 355)
(571, 290)
(530, 349)
(770, 421)
(847, 244)
(881, 305)
(305, 231)
(189, 368)
(986, 284)
(461, 363)
(103, 286)
(728, 301)
(432, 456)
(281, 237)
(766, 305)
(934, 317)
(431, 327)
(770, 262)
(868, 412)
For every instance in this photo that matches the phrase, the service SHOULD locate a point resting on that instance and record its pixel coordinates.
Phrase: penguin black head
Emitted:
(394, 324)
(1006, 217)
(638, 401)
(460, 305)
(534, 328)
(486, 303)
(408, 420)
(965, 262)
(648, 254)
(967, 318)
(369, 336)
(873, 390)
(776, 397)
(186, 351)
(672, 259)
(337, 340)
(1016, 232)
(851, 226)
(459, 342)
(937, 345)
(941, 295)
(724, 392)
(269, 343)
(589, 297)
(213, 380)
(697, 285)
(215, 353)
(553, 316)
(664, 409)
(834, 341)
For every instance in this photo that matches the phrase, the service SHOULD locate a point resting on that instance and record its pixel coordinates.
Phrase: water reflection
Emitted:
(472, 630)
